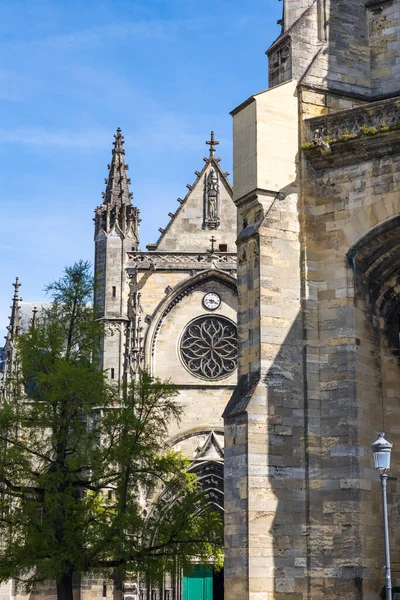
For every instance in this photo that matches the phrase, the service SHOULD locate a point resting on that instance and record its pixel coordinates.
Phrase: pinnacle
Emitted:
(119, 141)
(116, 207)
(117, 183)
(13, 327)
(16, 286)
(212, 142)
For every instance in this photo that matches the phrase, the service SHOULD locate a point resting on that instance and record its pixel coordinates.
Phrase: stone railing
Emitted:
(369, 118)
(185, 261)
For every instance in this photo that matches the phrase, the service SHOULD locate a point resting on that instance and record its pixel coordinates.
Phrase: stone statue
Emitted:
(212, 199)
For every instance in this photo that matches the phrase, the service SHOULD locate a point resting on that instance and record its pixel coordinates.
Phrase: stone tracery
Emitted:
(209, 347)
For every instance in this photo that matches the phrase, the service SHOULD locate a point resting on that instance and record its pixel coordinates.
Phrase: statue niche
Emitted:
(211, 212)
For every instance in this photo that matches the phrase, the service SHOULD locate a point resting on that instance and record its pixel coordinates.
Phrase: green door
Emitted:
(198, 583)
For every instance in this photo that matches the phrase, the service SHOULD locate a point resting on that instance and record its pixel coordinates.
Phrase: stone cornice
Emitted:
(178, 261)
(355, 121)
(361, 148)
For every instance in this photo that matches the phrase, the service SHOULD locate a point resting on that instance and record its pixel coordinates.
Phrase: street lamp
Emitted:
(382, 451)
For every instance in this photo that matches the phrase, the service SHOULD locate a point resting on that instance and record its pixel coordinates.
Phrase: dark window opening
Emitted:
(104, 590)
(392, 330)
(112, 373)
(223, 247)
(218, 584)
(398, 330)
(280, 63)
(114, 291)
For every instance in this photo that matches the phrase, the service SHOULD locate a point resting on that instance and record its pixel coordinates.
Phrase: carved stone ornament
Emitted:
(212, 219)
(254, 249)
(187, 261)
(242, 256)
(379, 116)
(210, 448)
(110, 329)
(209, 347)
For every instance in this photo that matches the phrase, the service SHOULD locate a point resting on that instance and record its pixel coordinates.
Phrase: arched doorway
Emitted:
(375, 261)
(205, 582)
(200, 581)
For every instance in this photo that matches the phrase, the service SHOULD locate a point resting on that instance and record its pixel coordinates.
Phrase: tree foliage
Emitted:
(80, 460)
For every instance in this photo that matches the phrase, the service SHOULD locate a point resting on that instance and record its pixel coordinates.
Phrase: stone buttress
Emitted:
(316, 185)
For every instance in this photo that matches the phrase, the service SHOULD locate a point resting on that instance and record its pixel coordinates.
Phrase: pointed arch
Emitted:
(375, 259)
(210, 474)
(174, 297)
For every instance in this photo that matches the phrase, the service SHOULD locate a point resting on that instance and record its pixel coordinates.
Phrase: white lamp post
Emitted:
(382, 451)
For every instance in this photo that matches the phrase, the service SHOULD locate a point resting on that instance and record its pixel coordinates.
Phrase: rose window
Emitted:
(209, 347)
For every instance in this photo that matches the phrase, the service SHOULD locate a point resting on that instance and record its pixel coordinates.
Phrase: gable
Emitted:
(207, 210)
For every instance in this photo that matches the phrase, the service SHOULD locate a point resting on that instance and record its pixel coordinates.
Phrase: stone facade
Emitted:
(317, 190)
(153, 301)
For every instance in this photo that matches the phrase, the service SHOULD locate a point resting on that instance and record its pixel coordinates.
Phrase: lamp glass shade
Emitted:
(382, 460)
(382, 450)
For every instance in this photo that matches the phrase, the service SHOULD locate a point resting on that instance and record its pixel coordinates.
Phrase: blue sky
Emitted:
(72, 71)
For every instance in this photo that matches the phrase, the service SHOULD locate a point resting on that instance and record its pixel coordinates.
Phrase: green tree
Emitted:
(80, 460)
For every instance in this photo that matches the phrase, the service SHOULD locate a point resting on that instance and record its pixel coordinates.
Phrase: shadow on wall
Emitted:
(312, 430)
(325, 403)
(286, 468)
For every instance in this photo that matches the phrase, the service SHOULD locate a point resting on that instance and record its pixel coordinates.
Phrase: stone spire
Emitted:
(14, 326)
(117, 191)
(116, 209)
(13, 330)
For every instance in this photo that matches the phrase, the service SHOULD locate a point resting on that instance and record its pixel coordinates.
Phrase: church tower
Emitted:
(116, 233)
(316, 162)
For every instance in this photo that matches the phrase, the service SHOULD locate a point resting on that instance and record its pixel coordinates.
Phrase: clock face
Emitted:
(211, 301)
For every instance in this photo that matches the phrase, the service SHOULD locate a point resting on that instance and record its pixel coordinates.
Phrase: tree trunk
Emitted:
(118, 579)
(64, 587)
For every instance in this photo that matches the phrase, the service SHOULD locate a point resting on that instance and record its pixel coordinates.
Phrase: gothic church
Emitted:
(315, 373)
